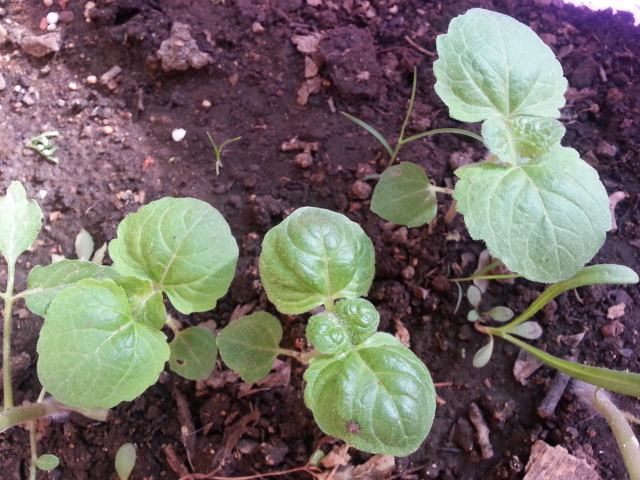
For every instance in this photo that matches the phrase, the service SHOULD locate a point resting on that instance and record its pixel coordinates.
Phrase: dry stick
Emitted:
(482, 429)
(554, 394)
(418, 47)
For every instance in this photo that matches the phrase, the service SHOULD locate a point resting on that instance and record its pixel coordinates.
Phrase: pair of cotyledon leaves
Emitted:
(541, 209)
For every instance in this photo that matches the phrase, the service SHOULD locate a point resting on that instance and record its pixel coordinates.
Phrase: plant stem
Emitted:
(459, 131)
(406, 119)
(6, 339)
(300, 356)
(33, 470)
(447, 191)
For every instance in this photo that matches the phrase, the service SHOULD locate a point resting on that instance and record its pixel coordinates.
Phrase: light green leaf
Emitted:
(44, 283)
(500, 314)
(627, 383)
(529, 330)
(47, 462)
(474, 295)
(544, 219)
(20, 221)
(522, 137)
(473, 316)
(147, 306)
(84, 245)
(314, 257)
(125, 460)
(92, 352)
(184, 246)
(378, 397)
(250, 345)
(360, 318)
(482, 356)
(492, 65)
(193, 353)
(327, 333)
(404, 196)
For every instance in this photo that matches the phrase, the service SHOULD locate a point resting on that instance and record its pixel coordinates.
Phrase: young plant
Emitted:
(44, 145)
(101, 342)
(363, 386)
(540, 208)
(218, 150)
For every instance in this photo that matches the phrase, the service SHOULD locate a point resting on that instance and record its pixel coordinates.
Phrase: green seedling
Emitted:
(218, 150)
(125, 460)
(499, 314)
(538, 206)
(101, 342)
(44, 145)
(363, 386)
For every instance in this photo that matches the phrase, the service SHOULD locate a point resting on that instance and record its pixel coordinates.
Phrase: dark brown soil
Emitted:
(252, 86)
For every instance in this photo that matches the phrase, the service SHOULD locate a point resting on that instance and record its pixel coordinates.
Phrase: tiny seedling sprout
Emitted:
(44, 145)
(218, 150)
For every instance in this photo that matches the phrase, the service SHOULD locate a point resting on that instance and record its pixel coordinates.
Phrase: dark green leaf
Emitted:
(193, 353)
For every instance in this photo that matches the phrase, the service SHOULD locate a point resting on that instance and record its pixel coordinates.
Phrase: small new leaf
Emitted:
(482, 356)
(125, 460)
(250, 345)
(92, 352)
(378, 397)
(20, 221)
(360, 317)
(193, 353)
(47, 462)
(184, 246)
(314, 257)
(404, 196)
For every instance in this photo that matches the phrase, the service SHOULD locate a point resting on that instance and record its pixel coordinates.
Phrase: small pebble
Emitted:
(107, 130)
(52, 18)
(257, 28)
(73, 86)
(206, 104)
(178, 134)
(60, 102)
(47, 3)
(92, 79)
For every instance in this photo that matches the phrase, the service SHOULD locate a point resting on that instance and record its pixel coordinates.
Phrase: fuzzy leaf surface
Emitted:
(360, 317)
(146, 303)
(314, 257)
(20, 221)
(92, 353)
(404, 196)
(250, 345)
(544, 219)
(184, 246)
(52, 279)
(378, 397)
(193, 353)
(492, 65)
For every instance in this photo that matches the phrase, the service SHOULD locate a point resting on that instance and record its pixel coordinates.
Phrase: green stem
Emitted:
(6, 339)
(622, 431)
(26, 413)
(33, 470)
(401, 142)
(300, 356)
(446, 191)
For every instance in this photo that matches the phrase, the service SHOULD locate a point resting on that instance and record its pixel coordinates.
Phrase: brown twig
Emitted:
(310, 470)
(418, 47)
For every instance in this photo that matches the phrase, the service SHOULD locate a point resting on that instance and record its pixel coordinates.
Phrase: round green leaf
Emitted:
(20, 221)
(492, 65)
(184, 246)
(125, 460)
(50, 280)
(404, 196)
(92, 352)
(314, 257)
(544, 219)
(378, 397)
(474, 295)
(47, 462)
(250, 345)
(193, 353)
(328, 334)
(360, 318)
